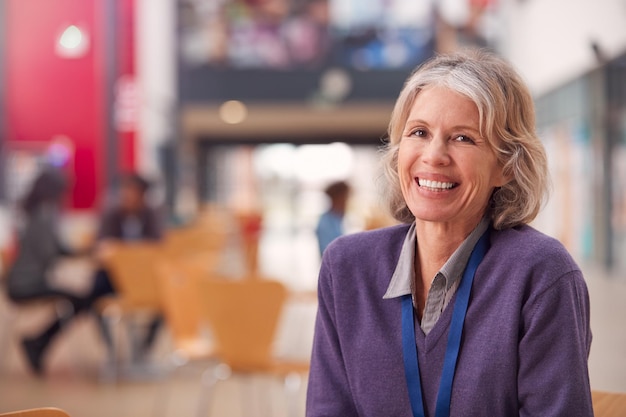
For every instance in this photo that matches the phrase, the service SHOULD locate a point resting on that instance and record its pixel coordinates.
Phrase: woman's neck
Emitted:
(436, 242)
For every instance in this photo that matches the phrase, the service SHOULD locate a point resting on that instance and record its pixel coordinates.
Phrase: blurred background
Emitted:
(242, 112)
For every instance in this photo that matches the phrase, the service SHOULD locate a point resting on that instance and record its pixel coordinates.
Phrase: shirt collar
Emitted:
(404, 274)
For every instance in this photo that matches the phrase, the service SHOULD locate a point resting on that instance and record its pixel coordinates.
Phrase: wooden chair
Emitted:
(196, 245)
(194, 239)
(243, 316)
(37, 412)
(132, 267)
(132, 270)
(178, 283)
(606, 404)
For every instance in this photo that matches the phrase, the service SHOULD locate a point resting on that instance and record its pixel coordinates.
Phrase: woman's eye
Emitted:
(464, 138)
(420, 133)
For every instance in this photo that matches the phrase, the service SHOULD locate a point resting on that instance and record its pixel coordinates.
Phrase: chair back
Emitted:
(243, 316)
(37, 412)
(194, 239)
(196, 245)
(609, 404)
(178, 284)
(132, 266)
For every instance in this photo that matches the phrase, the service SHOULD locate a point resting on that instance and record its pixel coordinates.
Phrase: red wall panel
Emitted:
(48, 95)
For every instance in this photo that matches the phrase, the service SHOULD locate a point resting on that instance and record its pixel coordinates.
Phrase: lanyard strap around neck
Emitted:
(409, 349)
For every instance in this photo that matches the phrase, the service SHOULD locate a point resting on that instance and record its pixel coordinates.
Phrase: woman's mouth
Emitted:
(436, 186)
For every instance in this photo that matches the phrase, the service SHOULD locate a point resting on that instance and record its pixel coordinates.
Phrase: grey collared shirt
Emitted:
(445, 282)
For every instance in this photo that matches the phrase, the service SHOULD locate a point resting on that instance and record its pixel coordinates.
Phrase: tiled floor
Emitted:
(73, 382)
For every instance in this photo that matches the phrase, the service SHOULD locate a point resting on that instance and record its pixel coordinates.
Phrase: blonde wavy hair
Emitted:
(506, 119)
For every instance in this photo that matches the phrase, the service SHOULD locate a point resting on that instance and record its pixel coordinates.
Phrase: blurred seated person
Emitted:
(130, 219)
(330, 224)
(30, 276)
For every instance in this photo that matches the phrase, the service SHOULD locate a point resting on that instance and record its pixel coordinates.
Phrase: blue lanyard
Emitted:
(409, 349)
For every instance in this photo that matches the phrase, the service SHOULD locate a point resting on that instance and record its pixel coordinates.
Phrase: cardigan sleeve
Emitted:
(328, 393)
(555, 339)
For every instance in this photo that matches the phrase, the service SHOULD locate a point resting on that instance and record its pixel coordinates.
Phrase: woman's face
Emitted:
(447, 170)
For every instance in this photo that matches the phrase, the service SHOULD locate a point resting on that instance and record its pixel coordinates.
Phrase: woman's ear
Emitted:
(501, 178)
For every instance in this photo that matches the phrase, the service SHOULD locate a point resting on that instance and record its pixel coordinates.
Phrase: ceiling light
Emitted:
(73, 42)
(233, 112)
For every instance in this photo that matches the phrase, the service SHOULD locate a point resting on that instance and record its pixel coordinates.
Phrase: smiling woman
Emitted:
(464, 309)
(447, 170)
(504, 118)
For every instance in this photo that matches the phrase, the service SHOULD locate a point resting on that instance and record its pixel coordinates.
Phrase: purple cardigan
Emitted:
(525, 343)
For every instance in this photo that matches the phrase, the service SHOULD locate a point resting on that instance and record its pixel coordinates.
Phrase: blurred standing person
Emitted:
(330, 224)
(130, 219)
(40, 248)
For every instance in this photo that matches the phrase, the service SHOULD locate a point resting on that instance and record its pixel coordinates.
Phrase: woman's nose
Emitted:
(436, 152)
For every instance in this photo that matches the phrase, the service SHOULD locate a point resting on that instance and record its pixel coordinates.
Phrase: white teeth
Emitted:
(435, 184)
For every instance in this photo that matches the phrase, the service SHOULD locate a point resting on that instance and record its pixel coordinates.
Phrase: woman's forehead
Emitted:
(429, 99)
